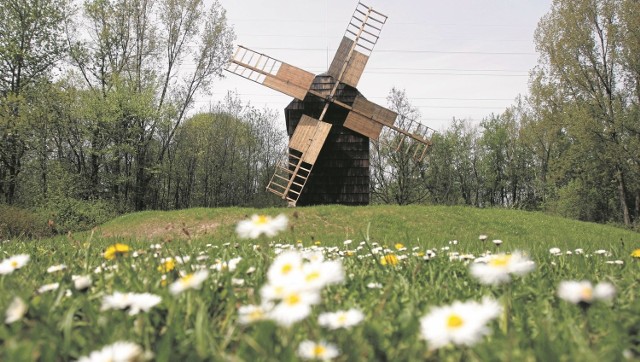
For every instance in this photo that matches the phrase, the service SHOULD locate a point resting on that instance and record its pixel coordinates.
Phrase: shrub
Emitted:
(16, 222)
(70, 214)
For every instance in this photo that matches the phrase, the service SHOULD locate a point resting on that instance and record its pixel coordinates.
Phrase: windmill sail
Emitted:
(270, 72)
(357, 44)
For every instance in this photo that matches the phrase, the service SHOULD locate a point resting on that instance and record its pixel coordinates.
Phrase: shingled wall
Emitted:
(341, 173)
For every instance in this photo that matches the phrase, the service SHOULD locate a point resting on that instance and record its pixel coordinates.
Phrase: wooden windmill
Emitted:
(329, 122)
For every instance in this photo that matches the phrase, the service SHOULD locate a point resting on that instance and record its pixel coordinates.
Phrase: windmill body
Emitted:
(329, 122)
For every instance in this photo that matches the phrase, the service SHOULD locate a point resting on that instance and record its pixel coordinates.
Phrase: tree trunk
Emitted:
(622, 194)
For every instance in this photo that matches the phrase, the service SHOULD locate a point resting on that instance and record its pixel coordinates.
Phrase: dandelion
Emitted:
(389, 259)
(189, 281)
(635, 254)
(317, 350)
(583, 293)
(497, 269)
(16, 310)
(13, 263)
(48, 288)
(341, 319)
(166, 265)
(261, 224)
(119, 351)
(462, 323)
(115, 250)
(400, 246)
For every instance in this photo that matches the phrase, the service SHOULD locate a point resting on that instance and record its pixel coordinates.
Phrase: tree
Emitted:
(396, 176)
(31, 44)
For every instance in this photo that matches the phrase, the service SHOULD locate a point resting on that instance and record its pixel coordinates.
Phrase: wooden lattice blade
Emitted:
(357, 44)
(309, 137)
(270, 72)
(368, 118)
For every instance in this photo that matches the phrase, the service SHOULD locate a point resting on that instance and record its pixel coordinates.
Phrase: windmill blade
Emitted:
(270, 72)
(357, 44)
(304, 147)
(363, 112)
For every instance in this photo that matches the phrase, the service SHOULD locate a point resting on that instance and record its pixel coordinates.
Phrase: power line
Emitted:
(406, 51)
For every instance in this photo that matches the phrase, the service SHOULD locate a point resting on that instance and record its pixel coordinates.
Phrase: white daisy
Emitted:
(120, 351)
(496, 269)
(318, 275)
(48, 288)
(189, 281)
(341, 319)
(285, 266)
(142, 302)
(583, 292)
(16, 310)
(261, 224)
(462, 323)
(294, 306)
(56, 268)
(253, 313)
(81, 282)
(317, 350)
(15, 262)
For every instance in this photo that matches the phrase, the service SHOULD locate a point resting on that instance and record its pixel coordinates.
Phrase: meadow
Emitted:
(186, 286)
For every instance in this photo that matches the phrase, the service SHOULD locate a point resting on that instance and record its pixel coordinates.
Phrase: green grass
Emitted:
(202, 324)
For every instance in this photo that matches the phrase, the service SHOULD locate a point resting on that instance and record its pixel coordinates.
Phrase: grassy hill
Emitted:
(424, 226)
(57, 320)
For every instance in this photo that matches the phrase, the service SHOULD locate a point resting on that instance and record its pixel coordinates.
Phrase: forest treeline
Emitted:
(98, 117)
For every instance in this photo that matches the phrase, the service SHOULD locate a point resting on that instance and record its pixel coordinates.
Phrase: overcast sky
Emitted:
(460, 58)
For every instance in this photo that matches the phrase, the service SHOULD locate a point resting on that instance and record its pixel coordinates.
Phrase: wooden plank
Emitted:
(363, 125)
(290, 80)
(309, 137)
(353, 69)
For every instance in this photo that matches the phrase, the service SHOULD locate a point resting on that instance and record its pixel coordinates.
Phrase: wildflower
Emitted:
(400, 246)
(349, 241)
(374, 285)
(261, 224)
(294, 306)
(555, 251)
(81, 282)
(496, 269)
(389, 259)
(317, 350)
(584, 293)
(134, 302)
(115, 250)
(48, 287)
(462, 323)
(635, 254)
(189, 281)
(482, 237)
(497, 242)
(16, 310)
(119, 351)
(166, 265)
(253, 313)
(285, 265)
(341, 319)
(15, 262)
(56, 268)
(317, 275)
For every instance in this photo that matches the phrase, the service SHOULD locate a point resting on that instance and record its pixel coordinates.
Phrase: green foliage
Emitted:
(69, 214)
(203, 324)
(20, 223)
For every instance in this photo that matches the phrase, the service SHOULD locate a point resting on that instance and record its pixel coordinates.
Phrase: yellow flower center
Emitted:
(261, 220)
(399, 246)
(500, 261)
(14, 264)
(286, 269)
(312, 276)
(292, 299)
(342, 318)
(454, 321)
(186, 279)
(256, 314)
(586, 294)
(318, 350)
